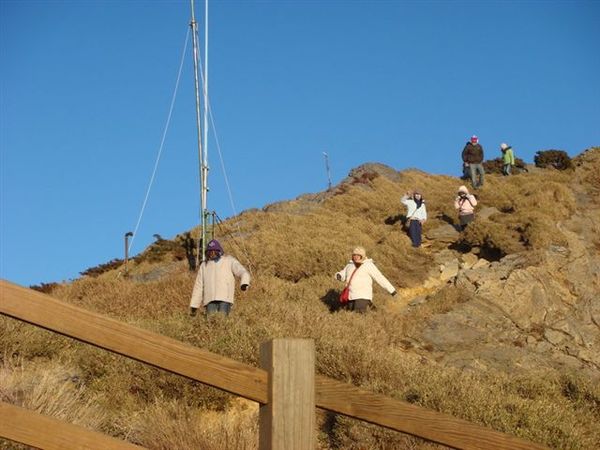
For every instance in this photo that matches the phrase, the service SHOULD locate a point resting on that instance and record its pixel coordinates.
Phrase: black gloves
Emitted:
(394, 293)
(193, 311)
(243, 287)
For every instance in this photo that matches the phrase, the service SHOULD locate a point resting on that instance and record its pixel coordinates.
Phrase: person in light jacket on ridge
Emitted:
(508, 158)
(361, 285)
(416, 215)
(465, 204)
(215, 283)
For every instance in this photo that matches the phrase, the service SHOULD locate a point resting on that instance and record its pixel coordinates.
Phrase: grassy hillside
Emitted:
(293, 249)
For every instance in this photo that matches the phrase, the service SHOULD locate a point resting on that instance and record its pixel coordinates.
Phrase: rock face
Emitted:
(520, 317)
(360, 176)
(445, 233)
(523, 316)
(487, 212)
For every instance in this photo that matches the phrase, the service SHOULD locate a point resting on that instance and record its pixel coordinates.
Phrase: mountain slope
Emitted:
(498, 325)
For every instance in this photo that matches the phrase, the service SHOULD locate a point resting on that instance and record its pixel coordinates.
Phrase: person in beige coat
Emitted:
(361, 285)
(215, 283)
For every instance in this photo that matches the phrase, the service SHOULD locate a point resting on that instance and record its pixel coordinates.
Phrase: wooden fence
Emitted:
(286, 386)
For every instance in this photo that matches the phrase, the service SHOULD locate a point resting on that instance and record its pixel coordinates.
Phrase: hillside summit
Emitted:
(499, 324)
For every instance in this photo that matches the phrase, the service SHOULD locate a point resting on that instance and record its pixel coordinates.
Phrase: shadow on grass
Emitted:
(393, 220)
(332, 300)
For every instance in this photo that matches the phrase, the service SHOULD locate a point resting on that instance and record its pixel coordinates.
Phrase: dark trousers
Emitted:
(414, 231)
(465, 220)
(359, 305)
(218, 306)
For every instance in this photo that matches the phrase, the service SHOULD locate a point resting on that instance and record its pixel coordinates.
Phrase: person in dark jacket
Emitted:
(472, 156)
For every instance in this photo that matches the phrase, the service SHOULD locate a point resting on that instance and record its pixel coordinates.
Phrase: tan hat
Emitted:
(463, 189)
(360, 251)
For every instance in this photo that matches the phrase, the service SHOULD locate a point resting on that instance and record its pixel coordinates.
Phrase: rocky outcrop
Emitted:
(445, 233)
(360, 176)
(520, 315)
(519, 318)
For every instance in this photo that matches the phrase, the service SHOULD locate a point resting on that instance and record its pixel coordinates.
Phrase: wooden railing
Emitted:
(284, 386)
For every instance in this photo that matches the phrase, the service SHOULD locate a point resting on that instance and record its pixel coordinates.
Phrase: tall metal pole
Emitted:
(127, 236)
(205, 91)
(202, 162)
(327, 168)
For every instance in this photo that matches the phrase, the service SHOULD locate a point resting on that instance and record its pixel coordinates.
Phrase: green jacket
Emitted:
(508, 156)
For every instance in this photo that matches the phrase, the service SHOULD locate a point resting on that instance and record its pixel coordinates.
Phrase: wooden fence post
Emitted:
(287, 421)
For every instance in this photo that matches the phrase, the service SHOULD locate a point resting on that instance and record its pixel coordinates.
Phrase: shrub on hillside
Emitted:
(102, 268)
(44, 288)
(162, 249)
(495, 165)
(494, 239)
(557, 159)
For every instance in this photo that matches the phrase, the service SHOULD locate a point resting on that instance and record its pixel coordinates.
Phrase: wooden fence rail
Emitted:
(28, 427)
(241, 379)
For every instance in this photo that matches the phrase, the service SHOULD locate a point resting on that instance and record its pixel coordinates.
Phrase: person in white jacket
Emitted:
(360, 273)
(416, 215)
(215, 282)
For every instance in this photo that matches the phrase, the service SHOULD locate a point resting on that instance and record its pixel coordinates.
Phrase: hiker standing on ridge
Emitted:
(416, 215)
(472, 156)
(215, 282)
(508, 158)
(465, 203)
(359, 275)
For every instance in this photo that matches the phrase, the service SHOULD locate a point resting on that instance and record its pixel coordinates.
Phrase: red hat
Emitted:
(474, 139)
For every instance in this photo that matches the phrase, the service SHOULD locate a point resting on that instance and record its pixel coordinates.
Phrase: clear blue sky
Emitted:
(86, 88)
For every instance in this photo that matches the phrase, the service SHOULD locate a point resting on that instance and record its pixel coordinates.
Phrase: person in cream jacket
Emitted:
(361, 284)
(215, 283)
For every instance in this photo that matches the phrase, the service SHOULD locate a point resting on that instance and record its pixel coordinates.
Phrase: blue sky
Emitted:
(85, 90)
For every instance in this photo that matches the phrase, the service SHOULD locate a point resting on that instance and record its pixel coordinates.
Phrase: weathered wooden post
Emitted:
(287, 421)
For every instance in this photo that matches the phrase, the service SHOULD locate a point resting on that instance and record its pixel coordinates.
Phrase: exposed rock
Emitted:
(418, 300)
(486, 212)
(468, 260)
(361, 176)
(522, 316)
(554, 337)
(481, 262)
(444, 256)
(445, 233)
(370, 171)
(449, 270)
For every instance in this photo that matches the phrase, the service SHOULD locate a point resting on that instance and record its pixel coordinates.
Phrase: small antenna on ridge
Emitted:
(328, 172)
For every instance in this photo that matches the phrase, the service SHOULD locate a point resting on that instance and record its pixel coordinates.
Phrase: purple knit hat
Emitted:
(214, 245)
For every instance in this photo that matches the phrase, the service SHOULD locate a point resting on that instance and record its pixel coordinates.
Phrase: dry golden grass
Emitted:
(364, 350)
(51, 389)
(166, 425)
(293, 250)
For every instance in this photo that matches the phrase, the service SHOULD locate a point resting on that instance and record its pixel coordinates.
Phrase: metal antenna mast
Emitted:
(205, 91)
(328, 172)
(202, 157)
